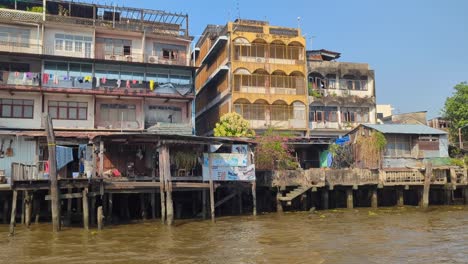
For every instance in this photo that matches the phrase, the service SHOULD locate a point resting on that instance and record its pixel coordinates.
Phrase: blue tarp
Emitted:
(341, 141)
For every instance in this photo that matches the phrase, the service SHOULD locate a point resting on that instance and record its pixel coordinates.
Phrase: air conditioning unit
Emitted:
(346, 92)
(153, 59)
(129, 58)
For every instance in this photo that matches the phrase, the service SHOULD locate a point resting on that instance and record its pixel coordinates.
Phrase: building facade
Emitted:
(341, 94)
(117, 69)
(256, 70)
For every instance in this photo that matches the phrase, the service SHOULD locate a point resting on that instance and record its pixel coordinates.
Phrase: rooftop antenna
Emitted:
(298, 22)
(238, 9)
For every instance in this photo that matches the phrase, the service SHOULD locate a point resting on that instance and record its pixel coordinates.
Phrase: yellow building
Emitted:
(254, 69)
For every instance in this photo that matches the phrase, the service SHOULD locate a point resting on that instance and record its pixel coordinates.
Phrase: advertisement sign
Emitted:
(227, 167)
(225, 159)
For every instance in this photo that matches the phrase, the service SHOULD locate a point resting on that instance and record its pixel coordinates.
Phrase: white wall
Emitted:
(24, 151)
(75, 124)
(13, 123)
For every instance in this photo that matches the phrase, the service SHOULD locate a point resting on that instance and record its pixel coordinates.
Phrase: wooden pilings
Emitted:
(13, 213)
(85, 209)
(400, 197)
(325, 198)
(27, 208)
(254, 197)
(100, 218)
(54, 190)
(349, 199)
(374, 198)
(427, 185)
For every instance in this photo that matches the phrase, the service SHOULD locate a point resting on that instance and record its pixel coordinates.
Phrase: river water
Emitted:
(363, 235)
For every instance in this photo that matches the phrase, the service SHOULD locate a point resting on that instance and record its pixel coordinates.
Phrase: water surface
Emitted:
(363, 235)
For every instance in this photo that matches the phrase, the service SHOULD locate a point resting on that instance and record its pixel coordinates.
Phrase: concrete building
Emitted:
(383, 110)
(92, 67)
(414, 118)
(341, 94)
(256, 70)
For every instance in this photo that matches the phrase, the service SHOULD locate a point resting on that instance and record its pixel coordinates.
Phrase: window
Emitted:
(68, 45)
(323, 114)
(58, 44)
(118, 112)
(116, 46)
(16, 108)
(15, 36)
(355, 114)
(68, 110)
(398, 146)
(169, 54)
(429, 142)
(78, 46)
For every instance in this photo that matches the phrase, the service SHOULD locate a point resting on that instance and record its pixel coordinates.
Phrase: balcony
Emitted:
(11, 15)
(269, 84)
(160, 58)
(16, 47)
(10, 78)
(269, 53)
(132, 57)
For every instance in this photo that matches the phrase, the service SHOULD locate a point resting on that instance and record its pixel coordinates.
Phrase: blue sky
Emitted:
(418, 48)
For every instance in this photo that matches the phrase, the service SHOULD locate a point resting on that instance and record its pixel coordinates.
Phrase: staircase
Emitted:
(293, 194)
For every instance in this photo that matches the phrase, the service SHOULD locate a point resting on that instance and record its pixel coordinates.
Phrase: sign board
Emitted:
(227, 167)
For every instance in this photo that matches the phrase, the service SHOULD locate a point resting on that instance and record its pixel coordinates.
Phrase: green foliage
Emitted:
(456, 110)
(333, 149)
(380, 140)
(233, 125)
(315, 93)
(457, 162)
(273, 153)
(35, 9)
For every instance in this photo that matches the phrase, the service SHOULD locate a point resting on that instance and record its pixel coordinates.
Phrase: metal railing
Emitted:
(20, 78)
(21, 47)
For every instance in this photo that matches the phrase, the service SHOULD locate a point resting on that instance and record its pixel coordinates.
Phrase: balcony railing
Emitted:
(21, 47)
(279, 116)
(19, 15)
(133, 57)
(269, 84)
(159, 58)
(20, 78)
(267, 53)
(51, 50)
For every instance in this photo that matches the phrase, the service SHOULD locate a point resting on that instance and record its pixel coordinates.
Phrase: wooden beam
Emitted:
(254, 197)
(427, 185)
(161, 185)
(54, 190)
(73, 195)
(225, 199)
(13, 213)
(85, 209)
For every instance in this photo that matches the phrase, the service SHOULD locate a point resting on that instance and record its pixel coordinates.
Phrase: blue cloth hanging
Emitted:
(64, 155)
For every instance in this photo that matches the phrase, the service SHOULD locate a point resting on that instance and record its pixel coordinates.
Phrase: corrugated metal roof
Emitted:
(405, 129)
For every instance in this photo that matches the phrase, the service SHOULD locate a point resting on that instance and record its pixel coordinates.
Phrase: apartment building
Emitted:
(255, 69)
(94, 67)
(341, 94)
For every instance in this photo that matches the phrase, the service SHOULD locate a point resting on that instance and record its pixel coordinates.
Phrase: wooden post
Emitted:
(142, 206)
(400, 197)
(212, 199)
(254, 197)
(93, 211)
(448, 195)
(374, 198)
(100, 218)
(13, 213)
(109, 212)
(162, 183)
(54, 190)
(101, 158)
(5, 211)
(427, 185)
(279, 203)
(36, 208)
(204, 203)
(325, 198)
(85, 209)
(166, 171)
(349, 198)
(28, 209)
(153, 195)
(69, 207)
(240, 200)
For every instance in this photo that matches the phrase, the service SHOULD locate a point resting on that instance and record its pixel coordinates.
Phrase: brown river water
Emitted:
(363, 235)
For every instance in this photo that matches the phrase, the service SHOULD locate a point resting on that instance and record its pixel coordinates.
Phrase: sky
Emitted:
(418, 48)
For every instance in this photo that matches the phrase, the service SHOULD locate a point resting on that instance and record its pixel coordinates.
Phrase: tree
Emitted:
(233, 125)
(456, 110)
(273, 153)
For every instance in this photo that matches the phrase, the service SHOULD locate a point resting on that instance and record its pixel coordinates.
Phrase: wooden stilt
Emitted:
(36, 208)
(69, 208)
(349, 199)
(240, 201)
(54, 190)
(465, 194)
(325, 198)
(165, 169)
(92, 213)
(100, 218)
(111, 205)
(304, 201)
(23, 206)
(162, 182)
(13, 213)
(448, 195)
(5, 211)
(85, 209)
(279, 204)
(400, 197)
(427, 185)
(212, 201)
(142, 206)
(125, 207)
(153, 205)
(374, 198)
(254, 197)
(28, 209)
(204, 204)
